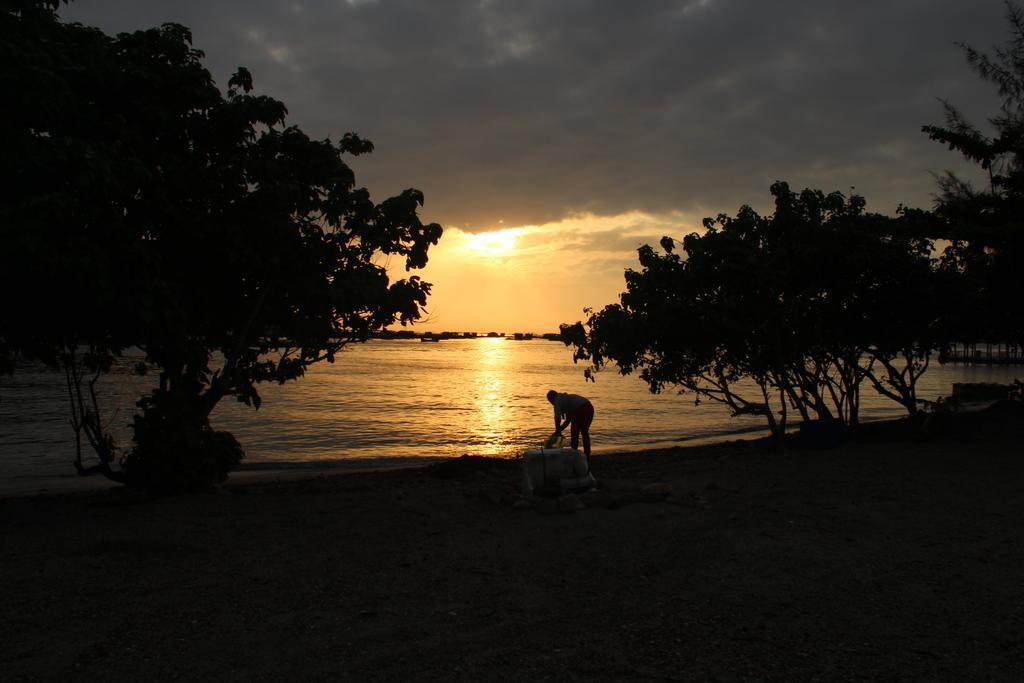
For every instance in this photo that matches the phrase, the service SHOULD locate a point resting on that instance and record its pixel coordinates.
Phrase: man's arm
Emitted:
(559, 425)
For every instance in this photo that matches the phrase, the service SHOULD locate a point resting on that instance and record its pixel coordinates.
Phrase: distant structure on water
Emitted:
(440, 336)
(983, 354)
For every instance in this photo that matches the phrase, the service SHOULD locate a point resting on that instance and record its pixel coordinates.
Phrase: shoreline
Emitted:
(22, 486)
(29, 485)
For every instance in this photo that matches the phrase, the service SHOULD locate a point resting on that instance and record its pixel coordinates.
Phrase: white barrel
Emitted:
(553, 470)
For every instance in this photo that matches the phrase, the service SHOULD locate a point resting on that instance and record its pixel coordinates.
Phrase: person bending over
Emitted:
(575, 410)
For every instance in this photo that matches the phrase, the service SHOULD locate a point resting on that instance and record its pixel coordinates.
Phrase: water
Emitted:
(405, 398)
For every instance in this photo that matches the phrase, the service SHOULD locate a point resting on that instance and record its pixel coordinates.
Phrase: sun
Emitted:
(497, 243)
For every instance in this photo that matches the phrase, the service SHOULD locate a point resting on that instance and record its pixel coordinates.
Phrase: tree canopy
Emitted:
(985, 225)
(798, 309)
(765, 314)
(142, 207)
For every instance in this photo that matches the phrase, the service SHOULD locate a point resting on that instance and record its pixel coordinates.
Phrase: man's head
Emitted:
(552, 395)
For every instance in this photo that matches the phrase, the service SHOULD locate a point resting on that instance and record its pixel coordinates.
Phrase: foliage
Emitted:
(770, 313)
(984, 226)
(141, 207)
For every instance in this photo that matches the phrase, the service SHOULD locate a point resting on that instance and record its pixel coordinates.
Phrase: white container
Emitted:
(556, 470)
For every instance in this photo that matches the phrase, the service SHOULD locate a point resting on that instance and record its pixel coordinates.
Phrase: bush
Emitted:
(171, 461)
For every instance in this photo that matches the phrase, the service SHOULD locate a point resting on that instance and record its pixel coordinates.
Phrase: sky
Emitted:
(552, 138)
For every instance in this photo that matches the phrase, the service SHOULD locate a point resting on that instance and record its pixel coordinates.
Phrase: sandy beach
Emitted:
(888, 557)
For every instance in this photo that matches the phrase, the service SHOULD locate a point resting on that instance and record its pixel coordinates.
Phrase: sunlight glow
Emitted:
(497, 243)
(531, 278)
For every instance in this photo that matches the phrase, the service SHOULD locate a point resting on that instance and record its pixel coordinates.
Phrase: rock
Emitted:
(523, 503)
(617, 500)
(596, 499)
(570, 502)
(545, 505)
(655, 492)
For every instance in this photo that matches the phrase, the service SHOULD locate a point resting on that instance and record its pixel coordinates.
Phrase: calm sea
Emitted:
(399, 399)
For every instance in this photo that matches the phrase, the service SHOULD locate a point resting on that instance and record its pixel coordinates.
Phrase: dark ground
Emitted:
(886, 558)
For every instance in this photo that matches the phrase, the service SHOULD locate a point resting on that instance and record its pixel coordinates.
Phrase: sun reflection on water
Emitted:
(491, 413)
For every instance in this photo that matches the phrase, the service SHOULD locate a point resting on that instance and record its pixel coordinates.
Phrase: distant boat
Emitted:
(430, 339)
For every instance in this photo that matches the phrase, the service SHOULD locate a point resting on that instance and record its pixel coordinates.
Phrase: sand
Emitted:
(887, 557)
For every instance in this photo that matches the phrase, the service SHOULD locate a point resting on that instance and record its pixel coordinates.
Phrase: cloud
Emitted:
(587, 245)
(534, 277)
(531, 112)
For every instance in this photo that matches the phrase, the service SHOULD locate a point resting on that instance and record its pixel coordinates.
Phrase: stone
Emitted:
(570, 502)
(655, 492)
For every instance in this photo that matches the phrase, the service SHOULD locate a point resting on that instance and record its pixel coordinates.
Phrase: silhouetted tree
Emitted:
(985, 225)
(770, 313)
(143, 208)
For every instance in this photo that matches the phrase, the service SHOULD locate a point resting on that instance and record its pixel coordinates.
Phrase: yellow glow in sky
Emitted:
(496, 243)
(531, 278)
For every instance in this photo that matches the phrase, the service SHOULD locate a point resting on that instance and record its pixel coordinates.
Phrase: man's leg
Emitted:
(581, 424)
(574, 438)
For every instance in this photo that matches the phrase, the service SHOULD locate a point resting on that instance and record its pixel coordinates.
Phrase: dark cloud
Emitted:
(528, 111)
